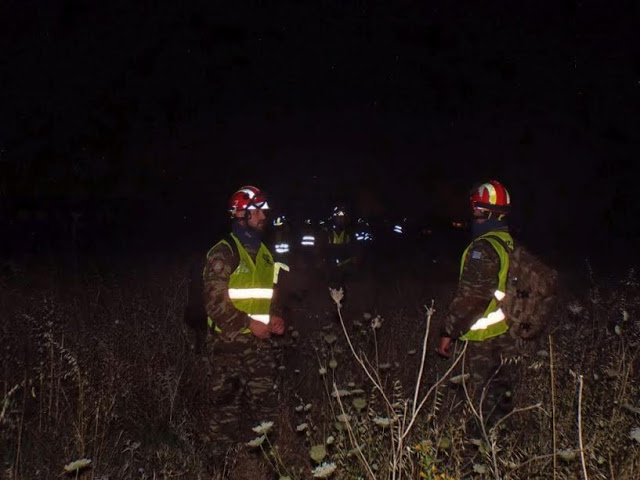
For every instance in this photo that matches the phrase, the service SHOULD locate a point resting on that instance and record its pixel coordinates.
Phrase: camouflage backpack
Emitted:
(531, 292)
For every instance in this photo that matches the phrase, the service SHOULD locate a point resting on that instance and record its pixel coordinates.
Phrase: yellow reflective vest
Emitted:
(338, 241)
(493, 321)
(251, 283)
(339, 238)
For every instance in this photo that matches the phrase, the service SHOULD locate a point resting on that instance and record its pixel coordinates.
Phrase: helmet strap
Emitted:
(488, 214)
(239, 220)
(247, 214)
(498, 216)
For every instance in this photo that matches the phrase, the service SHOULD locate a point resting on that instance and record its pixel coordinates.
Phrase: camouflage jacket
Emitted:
(476, 287)
(221, 262)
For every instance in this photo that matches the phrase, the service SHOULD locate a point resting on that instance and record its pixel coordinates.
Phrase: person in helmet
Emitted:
(281, 238)
(339, 249)
(243, 308)
(308, 245)
(474, 314)
(338, 237)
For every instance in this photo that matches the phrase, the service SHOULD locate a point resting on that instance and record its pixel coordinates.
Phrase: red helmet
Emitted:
(247, 198)
(491, 196)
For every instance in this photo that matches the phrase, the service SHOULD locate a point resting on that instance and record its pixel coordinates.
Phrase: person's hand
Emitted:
(444, 346)
(259, 329)
(276, 324)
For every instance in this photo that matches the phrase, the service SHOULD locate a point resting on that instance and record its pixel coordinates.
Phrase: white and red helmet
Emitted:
(491, 196)
(247, 198)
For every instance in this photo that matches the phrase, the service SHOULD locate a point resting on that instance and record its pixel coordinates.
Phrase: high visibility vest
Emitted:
(281, 241)
(338, 238)
(251, 283)
(340, 241)
(493, 321)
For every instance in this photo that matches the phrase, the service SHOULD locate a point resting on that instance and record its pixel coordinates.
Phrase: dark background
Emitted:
(145, 116)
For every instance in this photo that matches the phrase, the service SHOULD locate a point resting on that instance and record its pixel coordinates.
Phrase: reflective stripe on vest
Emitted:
(259, 317)
(251, 283)
(282, 248)
(244, 293)
(493, 321)
(338, 238)
(276, 270)
(308, 240)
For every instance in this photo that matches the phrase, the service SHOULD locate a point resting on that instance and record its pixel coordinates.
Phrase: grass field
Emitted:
(100, 381)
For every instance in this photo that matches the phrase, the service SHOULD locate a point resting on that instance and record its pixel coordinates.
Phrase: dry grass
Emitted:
(101, 368)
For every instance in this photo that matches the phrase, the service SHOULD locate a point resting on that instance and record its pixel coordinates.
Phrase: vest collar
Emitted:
(490, 225)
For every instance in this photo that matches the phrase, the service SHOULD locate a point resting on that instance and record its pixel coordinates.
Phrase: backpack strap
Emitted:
(228, 238)
(232, 243)
(197, 268)
(501, 242)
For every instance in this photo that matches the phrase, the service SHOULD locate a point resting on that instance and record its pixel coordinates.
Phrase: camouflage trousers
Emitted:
(243, 389)
(338, 276)
(490, 365)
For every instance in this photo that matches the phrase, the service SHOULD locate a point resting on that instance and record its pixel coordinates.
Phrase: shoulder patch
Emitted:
(217, 266)
(476, 254)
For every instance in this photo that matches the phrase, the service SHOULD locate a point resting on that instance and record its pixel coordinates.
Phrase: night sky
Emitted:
(395, 107)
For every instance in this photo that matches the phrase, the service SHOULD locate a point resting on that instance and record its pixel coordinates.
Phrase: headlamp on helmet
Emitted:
(339, 212)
